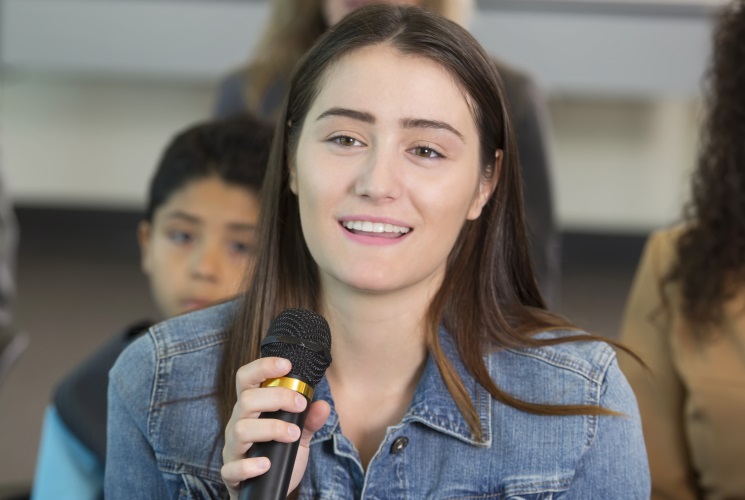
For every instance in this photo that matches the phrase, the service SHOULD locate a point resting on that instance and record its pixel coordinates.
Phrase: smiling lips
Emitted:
(194, 304)
(375, 229)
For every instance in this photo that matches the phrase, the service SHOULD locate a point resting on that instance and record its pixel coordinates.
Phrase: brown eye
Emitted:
(426, 152)
(347, 141)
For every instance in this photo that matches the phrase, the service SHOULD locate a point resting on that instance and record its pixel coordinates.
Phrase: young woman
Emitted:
(295, 25)
(392, 206)
(684, 314)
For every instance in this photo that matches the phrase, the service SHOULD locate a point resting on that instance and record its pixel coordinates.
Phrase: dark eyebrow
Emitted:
(178, 214)
(406, 122)
(239, 226)
(348, 113)
(233, 226)
(422, 123)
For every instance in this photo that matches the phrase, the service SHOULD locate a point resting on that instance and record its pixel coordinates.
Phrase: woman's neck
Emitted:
(377, 335)
(379, 349)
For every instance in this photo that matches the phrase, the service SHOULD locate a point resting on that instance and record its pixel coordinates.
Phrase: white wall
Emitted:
(186, 40)
(91, 91)
(86, 107)
(89, 143)
(623, 165)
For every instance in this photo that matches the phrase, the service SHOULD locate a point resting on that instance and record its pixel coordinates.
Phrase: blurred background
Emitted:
(92, 90)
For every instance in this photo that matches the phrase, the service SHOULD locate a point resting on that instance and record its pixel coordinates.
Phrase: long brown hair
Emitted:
(710, 264)
(293, 27)
(489, 298)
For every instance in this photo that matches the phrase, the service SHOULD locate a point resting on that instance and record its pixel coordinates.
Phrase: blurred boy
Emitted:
(197, 242)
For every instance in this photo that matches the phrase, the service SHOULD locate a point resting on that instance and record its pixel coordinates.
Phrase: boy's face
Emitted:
(197, 249)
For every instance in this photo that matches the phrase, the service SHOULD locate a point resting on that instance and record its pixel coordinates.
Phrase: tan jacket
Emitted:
(693, 403)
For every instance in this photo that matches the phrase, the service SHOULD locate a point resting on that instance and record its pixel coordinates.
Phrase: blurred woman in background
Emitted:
(685, 315)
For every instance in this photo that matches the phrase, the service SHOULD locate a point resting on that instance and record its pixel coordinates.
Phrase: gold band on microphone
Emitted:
(290, 383)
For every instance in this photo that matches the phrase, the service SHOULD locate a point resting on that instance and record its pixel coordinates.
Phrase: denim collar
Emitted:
(432, 404)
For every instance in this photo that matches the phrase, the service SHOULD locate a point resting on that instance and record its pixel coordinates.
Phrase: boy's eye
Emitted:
(242, 248)
(180, 237)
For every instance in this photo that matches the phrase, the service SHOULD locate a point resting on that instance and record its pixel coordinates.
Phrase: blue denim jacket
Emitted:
(165, 437)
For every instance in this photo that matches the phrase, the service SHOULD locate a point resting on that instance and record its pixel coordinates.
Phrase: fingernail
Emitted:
(262, 463)
(293, 431)
(299, 401)
(283, 364)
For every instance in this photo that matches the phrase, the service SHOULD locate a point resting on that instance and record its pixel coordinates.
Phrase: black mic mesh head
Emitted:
(311, 331)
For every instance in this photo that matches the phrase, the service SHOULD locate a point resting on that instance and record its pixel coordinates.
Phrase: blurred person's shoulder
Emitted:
(663, 243)
(512, 74)
(230, 98)
(659, 254)
(521, 88)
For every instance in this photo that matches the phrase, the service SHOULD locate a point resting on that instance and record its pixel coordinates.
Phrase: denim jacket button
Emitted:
(399, 444)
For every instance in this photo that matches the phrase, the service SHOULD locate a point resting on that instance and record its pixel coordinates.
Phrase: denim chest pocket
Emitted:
(197, 488)
(548, 495)
(528, 489)
(510, 489)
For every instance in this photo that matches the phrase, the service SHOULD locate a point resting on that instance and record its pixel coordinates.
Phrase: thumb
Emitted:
(317, 415)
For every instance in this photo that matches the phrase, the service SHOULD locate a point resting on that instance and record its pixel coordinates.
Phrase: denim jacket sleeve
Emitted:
(616, 459)
(131, 383)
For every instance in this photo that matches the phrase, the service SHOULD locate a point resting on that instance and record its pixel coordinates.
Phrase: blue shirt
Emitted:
(165, 436)
(65, 468)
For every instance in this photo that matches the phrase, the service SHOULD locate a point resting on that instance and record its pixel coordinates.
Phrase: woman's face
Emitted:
(335, 10)
(387, 171)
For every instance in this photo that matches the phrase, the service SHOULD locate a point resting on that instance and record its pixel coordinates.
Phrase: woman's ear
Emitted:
(293, 175)
(486, 187)
(144, 230)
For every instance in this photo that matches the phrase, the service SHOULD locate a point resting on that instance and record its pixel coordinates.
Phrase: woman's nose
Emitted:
(379, 176)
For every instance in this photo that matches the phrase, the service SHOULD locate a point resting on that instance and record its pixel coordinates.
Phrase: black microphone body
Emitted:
(274, 483)
(304, 338)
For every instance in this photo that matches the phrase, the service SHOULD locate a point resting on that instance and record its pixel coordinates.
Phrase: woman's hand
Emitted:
(245, 427)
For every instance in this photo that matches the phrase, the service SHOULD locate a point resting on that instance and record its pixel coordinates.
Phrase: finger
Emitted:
(249, 431)
(318, 413)
(233, 473)
(245, 428)
(253, 402)
(254, 373)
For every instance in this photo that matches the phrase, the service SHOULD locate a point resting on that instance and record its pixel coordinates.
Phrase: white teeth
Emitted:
(374, 227)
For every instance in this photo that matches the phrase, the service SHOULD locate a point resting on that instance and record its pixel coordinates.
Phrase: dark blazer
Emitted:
(81, 397)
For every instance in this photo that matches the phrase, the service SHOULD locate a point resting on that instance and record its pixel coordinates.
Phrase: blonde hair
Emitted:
(293, 27)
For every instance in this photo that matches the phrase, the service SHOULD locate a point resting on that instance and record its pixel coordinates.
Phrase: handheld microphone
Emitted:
(304, 338)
